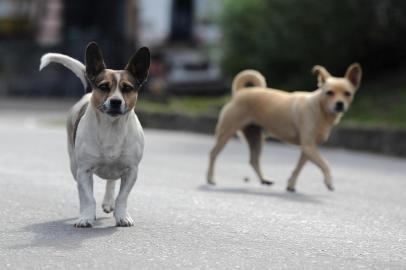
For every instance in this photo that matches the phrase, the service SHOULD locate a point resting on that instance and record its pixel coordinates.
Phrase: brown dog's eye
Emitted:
(330, 93)
(347, 94)
(126, 88)
(104, 87)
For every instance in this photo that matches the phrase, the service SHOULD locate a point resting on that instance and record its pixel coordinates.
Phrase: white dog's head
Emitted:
(115, 92)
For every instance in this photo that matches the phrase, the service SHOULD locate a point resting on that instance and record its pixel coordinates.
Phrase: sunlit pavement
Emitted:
(181, 223)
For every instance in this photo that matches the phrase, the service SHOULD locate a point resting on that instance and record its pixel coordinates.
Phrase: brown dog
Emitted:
(301, 118)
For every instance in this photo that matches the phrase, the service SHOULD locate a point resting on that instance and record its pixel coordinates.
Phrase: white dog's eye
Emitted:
(104, 87)
(330, 93)
(347, 93)
(126, 88)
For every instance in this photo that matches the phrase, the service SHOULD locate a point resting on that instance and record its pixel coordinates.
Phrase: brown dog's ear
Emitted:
(94, 61)
(354, 74)
(138, 65)
(322, 74)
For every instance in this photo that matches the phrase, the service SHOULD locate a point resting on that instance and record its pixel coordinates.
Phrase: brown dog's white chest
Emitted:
(323, 134)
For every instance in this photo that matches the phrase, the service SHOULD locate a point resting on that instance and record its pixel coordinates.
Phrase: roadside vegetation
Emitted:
(374, 106)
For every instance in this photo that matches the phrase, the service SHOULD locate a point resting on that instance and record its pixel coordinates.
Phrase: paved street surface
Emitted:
(181, 223)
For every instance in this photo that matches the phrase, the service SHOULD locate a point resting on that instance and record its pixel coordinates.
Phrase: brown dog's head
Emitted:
(115, 92)
(338, 93)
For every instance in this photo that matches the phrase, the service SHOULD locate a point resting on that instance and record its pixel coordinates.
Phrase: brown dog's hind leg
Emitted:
(230, 121)
(293, 178)
(254, 136)
(222, 139)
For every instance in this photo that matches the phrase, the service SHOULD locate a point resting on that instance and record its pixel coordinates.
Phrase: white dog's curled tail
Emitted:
(72, 64)
(248, 78)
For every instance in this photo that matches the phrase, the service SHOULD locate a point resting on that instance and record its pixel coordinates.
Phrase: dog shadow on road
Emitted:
(61, 234)
(295, 197)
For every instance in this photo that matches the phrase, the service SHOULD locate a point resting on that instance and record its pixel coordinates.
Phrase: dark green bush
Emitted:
(285, 38)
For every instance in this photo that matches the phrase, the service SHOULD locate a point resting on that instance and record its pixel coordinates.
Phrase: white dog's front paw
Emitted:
(84, 222)
(210, 181)
(108, 207)
(124, 220)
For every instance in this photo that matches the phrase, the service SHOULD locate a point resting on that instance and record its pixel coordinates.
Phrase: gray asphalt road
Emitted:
(180, 223)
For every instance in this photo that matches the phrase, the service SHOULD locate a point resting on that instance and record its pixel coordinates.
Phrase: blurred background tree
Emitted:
(284, 38)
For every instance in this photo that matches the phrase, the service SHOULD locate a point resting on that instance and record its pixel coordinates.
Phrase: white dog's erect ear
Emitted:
(354, 74)
(322, 74)
(139, 63)
(94, 60)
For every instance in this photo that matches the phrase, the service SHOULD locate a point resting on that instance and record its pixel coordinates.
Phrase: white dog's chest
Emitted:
(109, 151)
(110, 162)
(114, 160)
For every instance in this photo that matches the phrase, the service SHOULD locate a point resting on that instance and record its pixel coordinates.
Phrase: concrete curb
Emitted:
(377, 140)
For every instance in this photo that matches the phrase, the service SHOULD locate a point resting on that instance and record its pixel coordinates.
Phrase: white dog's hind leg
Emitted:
(108, 200)
(86, 199)
(123, 219)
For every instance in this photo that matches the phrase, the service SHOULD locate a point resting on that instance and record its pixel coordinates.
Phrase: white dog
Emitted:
(104, 135)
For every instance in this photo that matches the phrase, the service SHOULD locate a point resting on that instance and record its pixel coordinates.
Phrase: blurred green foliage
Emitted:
(284, 38)
(371, 110)
(190, 106)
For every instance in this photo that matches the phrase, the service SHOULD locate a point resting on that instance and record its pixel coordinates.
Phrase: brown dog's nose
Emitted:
(115, 103)
(339, 106)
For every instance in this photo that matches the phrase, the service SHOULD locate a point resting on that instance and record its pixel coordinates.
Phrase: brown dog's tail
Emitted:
(247, 78)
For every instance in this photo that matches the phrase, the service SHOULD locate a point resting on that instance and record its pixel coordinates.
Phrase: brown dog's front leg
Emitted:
(293, 178)
(313, 154)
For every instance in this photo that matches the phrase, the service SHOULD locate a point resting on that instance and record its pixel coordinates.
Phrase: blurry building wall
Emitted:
(187, 37)
(29, 28)
(184, 29)
(154, 21)
(49, 19)
(164, 21)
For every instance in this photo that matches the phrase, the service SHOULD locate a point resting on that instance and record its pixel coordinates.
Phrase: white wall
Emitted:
(154, 21)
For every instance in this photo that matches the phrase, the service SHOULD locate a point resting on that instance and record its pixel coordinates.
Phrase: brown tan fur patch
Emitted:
(109, 78)
(98, 95)
(131, 96)
(73, 122)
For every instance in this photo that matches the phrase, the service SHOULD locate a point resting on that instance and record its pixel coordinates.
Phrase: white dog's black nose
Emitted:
(115, 103)
(339, 106)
